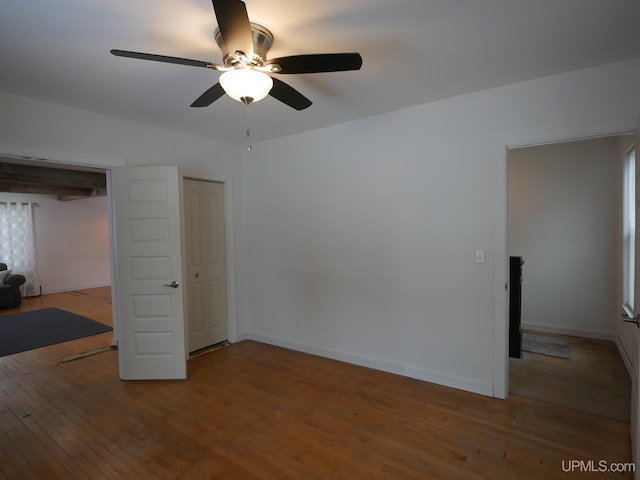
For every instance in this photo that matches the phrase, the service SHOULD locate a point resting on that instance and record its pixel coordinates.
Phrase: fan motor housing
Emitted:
(262, 42)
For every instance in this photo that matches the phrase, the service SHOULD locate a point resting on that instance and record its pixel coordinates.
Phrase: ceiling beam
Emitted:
(64, 183)
(15, 187)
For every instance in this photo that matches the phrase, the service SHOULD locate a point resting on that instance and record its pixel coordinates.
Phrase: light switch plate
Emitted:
(479, 256)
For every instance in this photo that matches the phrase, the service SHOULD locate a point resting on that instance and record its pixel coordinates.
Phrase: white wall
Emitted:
(76, 136)
(564, 220)
(361, 237)
(71, 241)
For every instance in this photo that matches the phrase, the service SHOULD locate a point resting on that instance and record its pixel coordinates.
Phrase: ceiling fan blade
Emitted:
(208, 97)
(318, 62)
(160, 58)
(234, 26)
(289, 95)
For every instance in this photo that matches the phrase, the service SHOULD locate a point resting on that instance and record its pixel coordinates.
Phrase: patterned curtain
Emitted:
(17, 246)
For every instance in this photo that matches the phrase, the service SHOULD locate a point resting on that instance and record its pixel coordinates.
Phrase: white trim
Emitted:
(27, 153)
(112, 259)
(229, 228)
(460, 383)
(500, 350)
(447, 380)
(75, 288)
(523, 142)
(624, 355)
(573, 332)
(385, 366)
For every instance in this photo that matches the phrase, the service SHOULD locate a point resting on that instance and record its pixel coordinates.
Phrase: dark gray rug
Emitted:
(545, 345)
(39, 328)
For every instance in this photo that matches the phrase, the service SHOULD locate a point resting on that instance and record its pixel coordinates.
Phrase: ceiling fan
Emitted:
(245, 66)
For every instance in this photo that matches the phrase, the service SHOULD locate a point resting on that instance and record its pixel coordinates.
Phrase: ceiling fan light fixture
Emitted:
(246, 85)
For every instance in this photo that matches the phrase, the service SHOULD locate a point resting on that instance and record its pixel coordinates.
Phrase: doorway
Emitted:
(563, 219)
(70, 223)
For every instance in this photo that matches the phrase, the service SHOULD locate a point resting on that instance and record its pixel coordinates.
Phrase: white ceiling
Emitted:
(414, 51)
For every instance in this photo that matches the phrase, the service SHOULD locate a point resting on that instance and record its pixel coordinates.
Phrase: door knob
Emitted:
(173, 284)
(635, 320)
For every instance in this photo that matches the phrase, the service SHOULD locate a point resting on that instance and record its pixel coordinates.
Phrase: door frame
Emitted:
(500, 360)
(24, 154)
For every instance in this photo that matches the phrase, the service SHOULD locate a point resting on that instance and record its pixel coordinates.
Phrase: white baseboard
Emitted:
(448, 380)
(569, 331)
(440, 378)
(624, 355)
(46, 291)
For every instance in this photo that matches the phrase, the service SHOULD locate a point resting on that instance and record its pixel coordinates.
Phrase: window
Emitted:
(629, 230)
(17, 247)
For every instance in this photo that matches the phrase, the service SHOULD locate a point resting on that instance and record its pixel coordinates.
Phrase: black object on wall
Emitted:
(515, 305)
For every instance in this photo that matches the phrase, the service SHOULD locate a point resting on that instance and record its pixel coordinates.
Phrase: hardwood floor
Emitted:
(93, 302)
(254, 411)
(593, 380)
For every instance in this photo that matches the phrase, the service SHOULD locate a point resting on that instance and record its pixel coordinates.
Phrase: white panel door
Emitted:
(148, 288)
(205, 263)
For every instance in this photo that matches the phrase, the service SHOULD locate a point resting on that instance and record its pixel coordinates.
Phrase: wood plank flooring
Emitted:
(254, 411)
(593, 380)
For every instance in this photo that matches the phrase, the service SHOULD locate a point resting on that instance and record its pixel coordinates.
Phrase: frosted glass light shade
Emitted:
(246, 85)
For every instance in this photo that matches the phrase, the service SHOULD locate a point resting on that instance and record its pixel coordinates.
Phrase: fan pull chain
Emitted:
(247, 130)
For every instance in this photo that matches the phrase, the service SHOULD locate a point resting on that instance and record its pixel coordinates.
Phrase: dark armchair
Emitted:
(10, 295)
